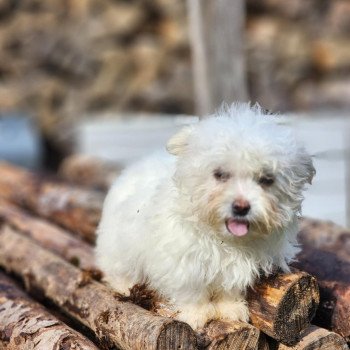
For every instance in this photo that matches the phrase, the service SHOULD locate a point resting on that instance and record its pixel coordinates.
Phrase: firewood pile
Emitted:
(52, 296)
(61, 60)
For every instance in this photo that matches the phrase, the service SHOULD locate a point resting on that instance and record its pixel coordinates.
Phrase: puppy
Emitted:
(200, 223)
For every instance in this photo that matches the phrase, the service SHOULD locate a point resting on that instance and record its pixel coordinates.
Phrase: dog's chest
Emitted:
(225, 269)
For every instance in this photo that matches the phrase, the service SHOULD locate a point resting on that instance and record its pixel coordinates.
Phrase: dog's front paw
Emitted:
(196, 315)
(234, 310)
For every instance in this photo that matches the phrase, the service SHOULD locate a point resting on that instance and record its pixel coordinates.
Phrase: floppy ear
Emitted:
(177, 143)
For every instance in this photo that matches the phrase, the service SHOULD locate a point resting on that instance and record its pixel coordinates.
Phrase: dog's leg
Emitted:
(197, 314)
(232, 307)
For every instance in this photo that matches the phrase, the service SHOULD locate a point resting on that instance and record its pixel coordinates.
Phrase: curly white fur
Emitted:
(164, 220)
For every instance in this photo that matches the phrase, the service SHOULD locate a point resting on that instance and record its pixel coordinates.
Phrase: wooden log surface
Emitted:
(333, 275)
(25, 324)
(325, 235)
(283, 305)
(217, 334)
(75, 208)
(114, 322)
(88, 171)
(315, 338)
(326, 255)
(223, 335)
(49, 236)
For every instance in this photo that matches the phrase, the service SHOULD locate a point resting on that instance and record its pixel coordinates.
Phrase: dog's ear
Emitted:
(305, 168)
(177, 143)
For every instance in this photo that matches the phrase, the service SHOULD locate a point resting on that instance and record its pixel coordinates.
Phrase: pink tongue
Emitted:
(237, 228)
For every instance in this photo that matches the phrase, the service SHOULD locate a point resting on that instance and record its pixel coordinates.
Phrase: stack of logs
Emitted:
(52, 295)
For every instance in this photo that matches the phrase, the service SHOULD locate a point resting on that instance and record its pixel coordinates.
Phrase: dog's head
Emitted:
(241, 171)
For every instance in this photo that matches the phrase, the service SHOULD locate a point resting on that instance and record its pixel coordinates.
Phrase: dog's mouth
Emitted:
(237, 227)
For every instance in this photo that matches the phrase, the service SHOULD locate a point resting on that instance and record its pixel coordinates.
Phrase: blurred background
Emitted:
(113, 79)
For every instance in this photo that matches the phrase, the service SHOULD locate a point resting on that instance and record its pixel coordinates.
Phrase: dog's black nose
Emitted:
(240, 207)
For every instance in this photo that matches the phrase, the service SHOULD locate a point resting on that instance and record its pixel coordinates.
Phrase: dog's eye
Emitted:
(266, 180)
(221, 175)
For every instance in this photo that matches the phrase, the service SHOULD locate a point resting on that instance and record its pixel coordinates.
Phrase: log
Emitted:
(326, 255)
(316, 338)
(50, 236)
(325, 235)
(88, 171)
(331, 55)
(333, 276)
(283, 305)
(114, 322)
(25, 324)
(216, 334)
(222, 335)
(74, 208)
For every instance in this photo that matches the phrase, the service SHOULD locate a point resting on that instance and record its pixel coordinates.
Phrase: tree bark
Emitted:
(319, 233)
(50, 236)
(316, 338)
(222, 335)
(216, 334)
(25, 324)
(283, 305)
(333, 275)
(327, 236)
(326, 255)
(76, 209)
(114, 322)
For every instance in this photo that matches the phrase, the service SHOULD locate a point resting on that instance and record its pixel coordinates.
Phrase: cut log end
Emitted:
(316, 338)
(283, 305)
(222, 335)
(177, 335)
(297, 308)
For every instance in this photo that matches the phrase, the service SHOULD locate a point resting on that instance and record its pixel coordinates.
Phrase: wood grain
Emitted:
(283, 305)
(25, 324)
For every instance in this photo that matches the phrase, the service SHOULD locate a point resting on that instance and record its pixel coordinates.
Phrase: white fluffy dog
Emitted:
(200, 223)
